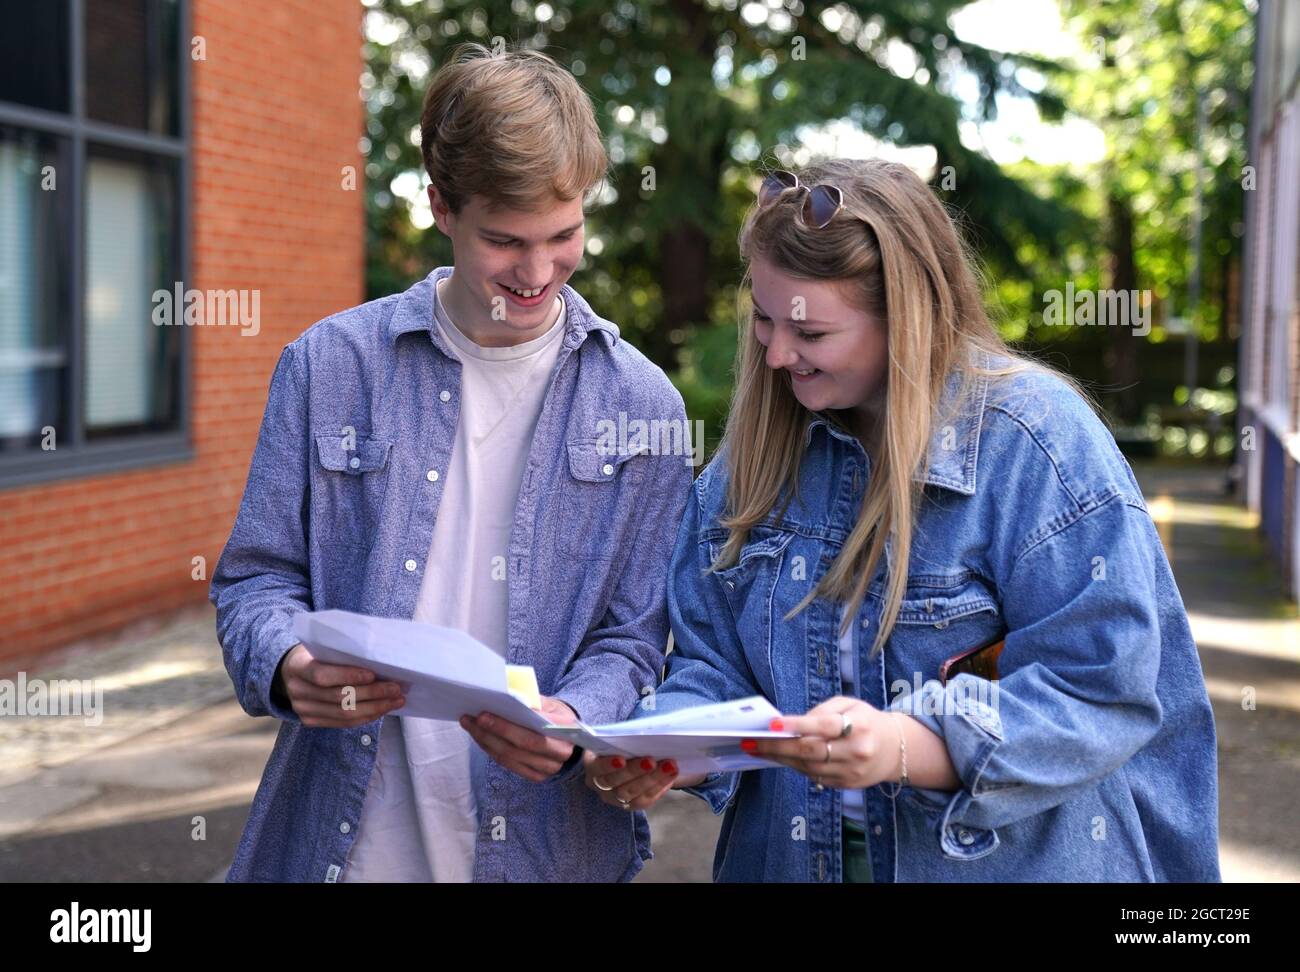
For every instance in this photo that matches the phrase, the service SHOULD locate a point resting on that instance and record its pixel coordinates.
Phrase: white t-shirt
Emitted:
(420, 820)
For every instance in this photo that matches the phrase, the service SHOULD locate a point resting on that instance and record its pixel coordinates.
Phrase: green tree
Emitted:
(692, 94)
(1154, 65)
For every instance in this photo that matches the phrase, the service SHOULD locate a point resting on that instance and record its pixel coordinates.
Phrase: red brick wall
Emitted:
(276, 115)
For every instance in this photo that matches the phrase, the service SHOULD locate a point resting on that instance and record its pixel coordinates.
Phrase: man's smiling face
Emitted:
(509, 266)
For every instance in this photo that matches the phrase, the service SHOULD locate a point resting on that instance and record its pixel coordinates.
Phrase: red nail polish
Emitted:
(617, 762)
(647, 764)
(748, 745)
(777, 725)
(669, 768)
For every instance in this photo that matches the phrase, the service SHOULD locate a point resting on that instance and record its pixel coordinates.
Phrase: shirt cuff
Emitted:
(267, 686)
(573, 765)
(717, 790)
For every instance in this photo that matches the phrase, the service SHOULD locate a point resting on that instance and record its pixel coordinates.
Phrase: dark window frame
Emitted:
(74, 456)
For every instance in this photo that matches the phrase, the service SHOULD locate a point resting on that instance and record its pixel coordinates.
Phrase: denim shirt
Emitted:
(1094, 759)
(323, 526)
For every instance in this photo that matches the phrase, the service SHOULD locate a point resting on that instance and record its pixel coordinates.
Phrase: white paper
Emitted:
(700, 739)
(444, 673)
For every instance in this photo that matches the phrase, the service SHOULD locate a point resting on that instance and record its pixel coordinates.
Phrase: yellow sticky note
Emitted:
(521, 681)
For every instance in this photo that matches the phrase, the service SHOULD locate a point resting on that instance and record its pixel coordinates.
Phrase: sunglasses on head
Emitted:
(821, 202)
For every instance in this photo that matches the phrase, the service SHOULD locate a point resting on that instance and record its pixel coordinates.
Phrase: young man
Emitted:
(435, 455)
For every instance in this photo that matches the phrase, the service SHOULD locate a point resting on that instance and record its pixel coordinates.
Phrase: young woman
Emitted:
(896, 490)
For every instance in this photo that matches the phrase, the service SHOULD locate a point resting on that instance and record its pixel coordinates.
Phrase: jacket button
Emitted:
(444, 396)
(965, 838)
(409, 565)
(941, 624)
(607, 469)
(365, 739)
(354, 462)
(345, 827)
(731, 585)
(877, 830)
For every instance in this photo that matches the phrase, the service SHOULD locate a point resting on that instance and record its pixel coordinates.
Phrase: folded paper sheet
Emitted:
(444, 673)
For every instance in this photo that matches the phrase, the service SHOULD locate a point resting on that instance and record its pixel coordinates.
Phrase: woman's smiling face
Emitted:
(834, 353)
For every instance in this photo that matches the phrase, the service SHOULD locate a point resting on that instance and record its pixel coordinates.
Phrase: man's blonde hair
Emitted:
(514, 127)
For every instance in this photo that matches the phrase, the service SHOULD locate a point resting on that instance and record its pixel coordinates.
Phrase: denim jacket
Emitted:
(1091, 758)
(324, 526)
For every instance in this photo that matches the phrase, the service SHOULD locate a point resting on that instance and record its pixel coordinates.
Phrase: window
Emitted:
(94, 169)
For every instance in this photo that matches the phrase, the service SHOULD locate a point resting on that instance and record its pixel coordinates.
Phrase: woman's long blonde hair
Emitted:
(899, 257)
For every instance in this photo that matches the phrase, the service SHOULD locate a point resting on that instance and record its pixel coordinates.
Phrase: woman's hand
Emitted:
(868, 755)
(633, 784)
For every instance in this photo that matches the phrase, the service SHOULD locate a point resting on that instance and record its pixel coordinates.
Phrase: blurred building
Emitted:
(148, 149)
(1269, 382)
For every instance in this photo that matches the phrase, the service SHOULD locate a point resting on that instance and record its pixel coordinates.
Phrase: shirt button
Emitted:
(877, 830)
(365, 739)
(444, 396)
(345, 827)
(431, 475)
(607, 469)
(409, 565)
(965, 837)
(866, 622)
(354, 462)
(731, 585)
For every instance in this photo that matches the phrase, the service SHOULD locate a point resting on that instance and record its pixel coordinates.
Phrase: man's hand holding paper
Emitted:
(335, 696)
(529, 754)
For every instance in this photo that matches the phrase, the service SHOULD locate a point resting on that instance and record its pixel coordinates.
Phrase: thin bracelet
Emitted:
(902, 749)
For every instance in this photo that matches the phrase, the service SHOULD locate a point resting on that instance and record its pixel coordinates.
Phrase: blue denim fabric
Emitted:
(323, 527)
(1095, 761)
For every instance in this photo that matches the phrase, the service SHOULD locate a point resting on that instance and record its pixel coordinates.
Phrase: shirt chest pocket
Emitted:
(592, 520)
(349, 485)
(940, 618)
(749, 586)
